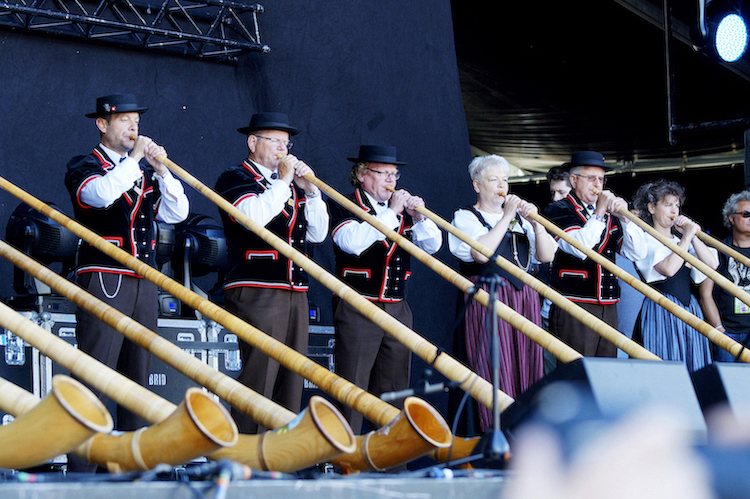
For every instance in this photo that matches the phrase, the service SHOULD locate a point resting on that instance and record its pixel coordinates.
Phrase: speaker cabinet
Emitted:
(616, 386)
(724, 383)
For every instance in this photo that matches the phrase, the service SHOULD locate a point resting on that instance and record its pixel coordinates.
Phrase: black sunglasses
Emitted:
(745, 214)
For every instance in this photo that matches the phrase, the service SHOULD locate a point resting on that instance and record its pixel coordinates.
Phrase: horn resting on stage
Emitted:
(376, 410)
(335, 435)
(215, 431)
(68, 416)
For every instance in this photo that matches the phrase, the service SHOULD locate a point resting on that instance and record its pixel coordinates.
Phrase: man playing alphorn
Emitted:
(377, 269)
(119, 199)
(262, 286)
(590, 214)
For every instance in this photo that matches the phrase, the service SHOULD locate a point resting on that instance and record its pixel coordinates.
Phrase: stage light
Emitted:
(41, 238)
(721, 30)
(731, 37)
(201, 248)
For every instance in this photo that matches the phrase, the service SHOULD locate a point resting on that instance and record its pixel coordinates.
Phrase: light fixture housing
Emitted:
(721, 30)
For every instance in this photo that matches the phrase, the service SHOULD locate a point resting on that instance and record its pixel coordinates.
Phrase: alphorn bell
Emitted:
(343, 390)
(703, 327)
(211, 425)
(43, 429)
(321, 433)
(599, 326)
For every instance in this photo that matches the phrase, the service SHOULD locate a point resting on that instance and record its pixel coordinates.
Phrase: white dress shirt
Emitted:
(355, 237)
(633, 242)
(265, 206)
(102, 191)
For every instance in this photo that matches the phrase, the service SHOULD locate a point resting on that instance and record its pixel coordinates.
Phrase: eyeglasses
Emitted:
(592, 178)
(395, 175)
(745, 214)
(276, 142)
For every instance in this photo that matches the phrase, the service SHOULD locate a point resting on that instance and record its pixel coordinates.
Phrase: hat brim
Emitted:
(376, 159)
(139, 110)
(569, 166)
(245, 130)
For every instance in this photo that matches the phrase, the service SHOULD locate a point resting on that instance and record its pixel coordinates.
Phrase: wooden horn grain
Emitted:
(343, 390)
(479, 388)
(124, 391)
(699, 325)
(337, 432)
(597, 325)
(198, 426)
(418, 430)
(68, 416)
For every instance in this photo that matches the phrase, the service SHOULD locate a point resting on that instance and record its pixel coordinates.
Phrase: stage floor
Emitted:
(477, 486)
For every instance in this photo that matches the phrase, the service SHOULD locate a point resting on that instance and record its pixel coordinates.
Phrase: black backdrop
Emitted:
(345, 72)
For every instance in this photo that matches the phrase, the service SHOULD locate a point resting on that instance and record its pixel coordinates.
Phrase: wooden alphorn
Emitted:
(43, 429)
(534, 332)
(346, 392)
(703, 327)
(728, 250)
(480, 389)
(203, 427)
(325, 435)
(597, 325)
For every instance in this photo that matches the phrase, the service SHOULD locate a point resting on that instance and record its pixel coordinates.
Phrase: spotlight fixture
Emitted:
(721, 29)
(731, 37)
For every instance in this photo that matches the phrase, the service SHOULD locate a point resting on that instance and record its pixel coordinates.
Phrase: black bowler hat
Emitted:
(269, 121)
(116, 103)
(587, 158)
(377, 154)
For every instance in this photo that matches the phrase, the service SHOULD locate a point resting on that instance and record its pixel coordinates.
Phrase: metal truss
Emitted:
(219, 30)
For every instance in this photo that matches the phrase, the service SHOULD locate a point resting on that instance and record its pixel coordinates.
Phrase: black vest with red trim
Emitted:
(380, 272)
(127, 223)
(252, 261)
(514, 247)
(584, 280)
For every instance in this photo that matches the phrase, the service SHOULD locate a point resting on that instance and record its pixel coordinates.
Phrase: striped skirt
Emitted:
(670, 338)
(521, 362)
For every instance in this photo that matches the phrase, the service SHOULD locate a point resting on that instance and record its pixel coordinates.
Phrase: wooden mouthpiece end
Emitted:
(596, 192)
(279, 155)
(133, 137)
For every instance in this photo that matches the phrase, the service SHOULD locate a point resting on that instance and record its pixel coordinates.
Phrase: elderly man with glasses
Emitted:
(378, 269)
(723, 310)
(262, 286)
(591, 215)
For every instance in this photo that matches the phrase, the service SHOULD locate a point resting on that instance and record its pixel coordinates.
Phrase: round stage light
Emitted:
(731, 38)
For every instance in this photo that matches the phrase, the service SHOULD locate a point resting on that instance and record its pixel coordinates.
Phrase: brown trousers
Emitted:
(368, 356)
(285, 316)
(581, 338)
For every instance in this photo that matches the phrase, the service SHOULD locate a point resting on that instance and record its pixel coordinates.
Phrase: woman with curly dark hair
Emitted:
(658, 203)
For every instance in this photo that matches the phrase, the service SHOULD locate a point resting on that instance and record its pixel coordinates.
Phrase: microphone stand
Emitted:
(493, 447)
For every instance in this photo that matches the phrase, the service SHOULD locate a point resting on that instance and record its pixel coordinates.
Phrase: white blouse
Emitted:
(467, 222)
(658, 252)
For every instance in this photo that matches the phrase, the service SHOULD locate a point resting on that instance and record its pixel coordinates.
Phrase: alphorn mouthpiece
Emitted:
(279, 155)
(133, 137)
(596, 192)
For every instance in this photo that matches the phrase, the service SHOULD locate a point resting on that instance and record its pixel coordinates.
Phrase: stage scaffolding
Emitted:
(217, 30)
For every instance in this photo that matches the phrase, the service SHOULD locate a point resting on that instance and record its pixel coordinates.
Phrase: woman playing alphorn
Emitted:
(658, 204)
(500, 221)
